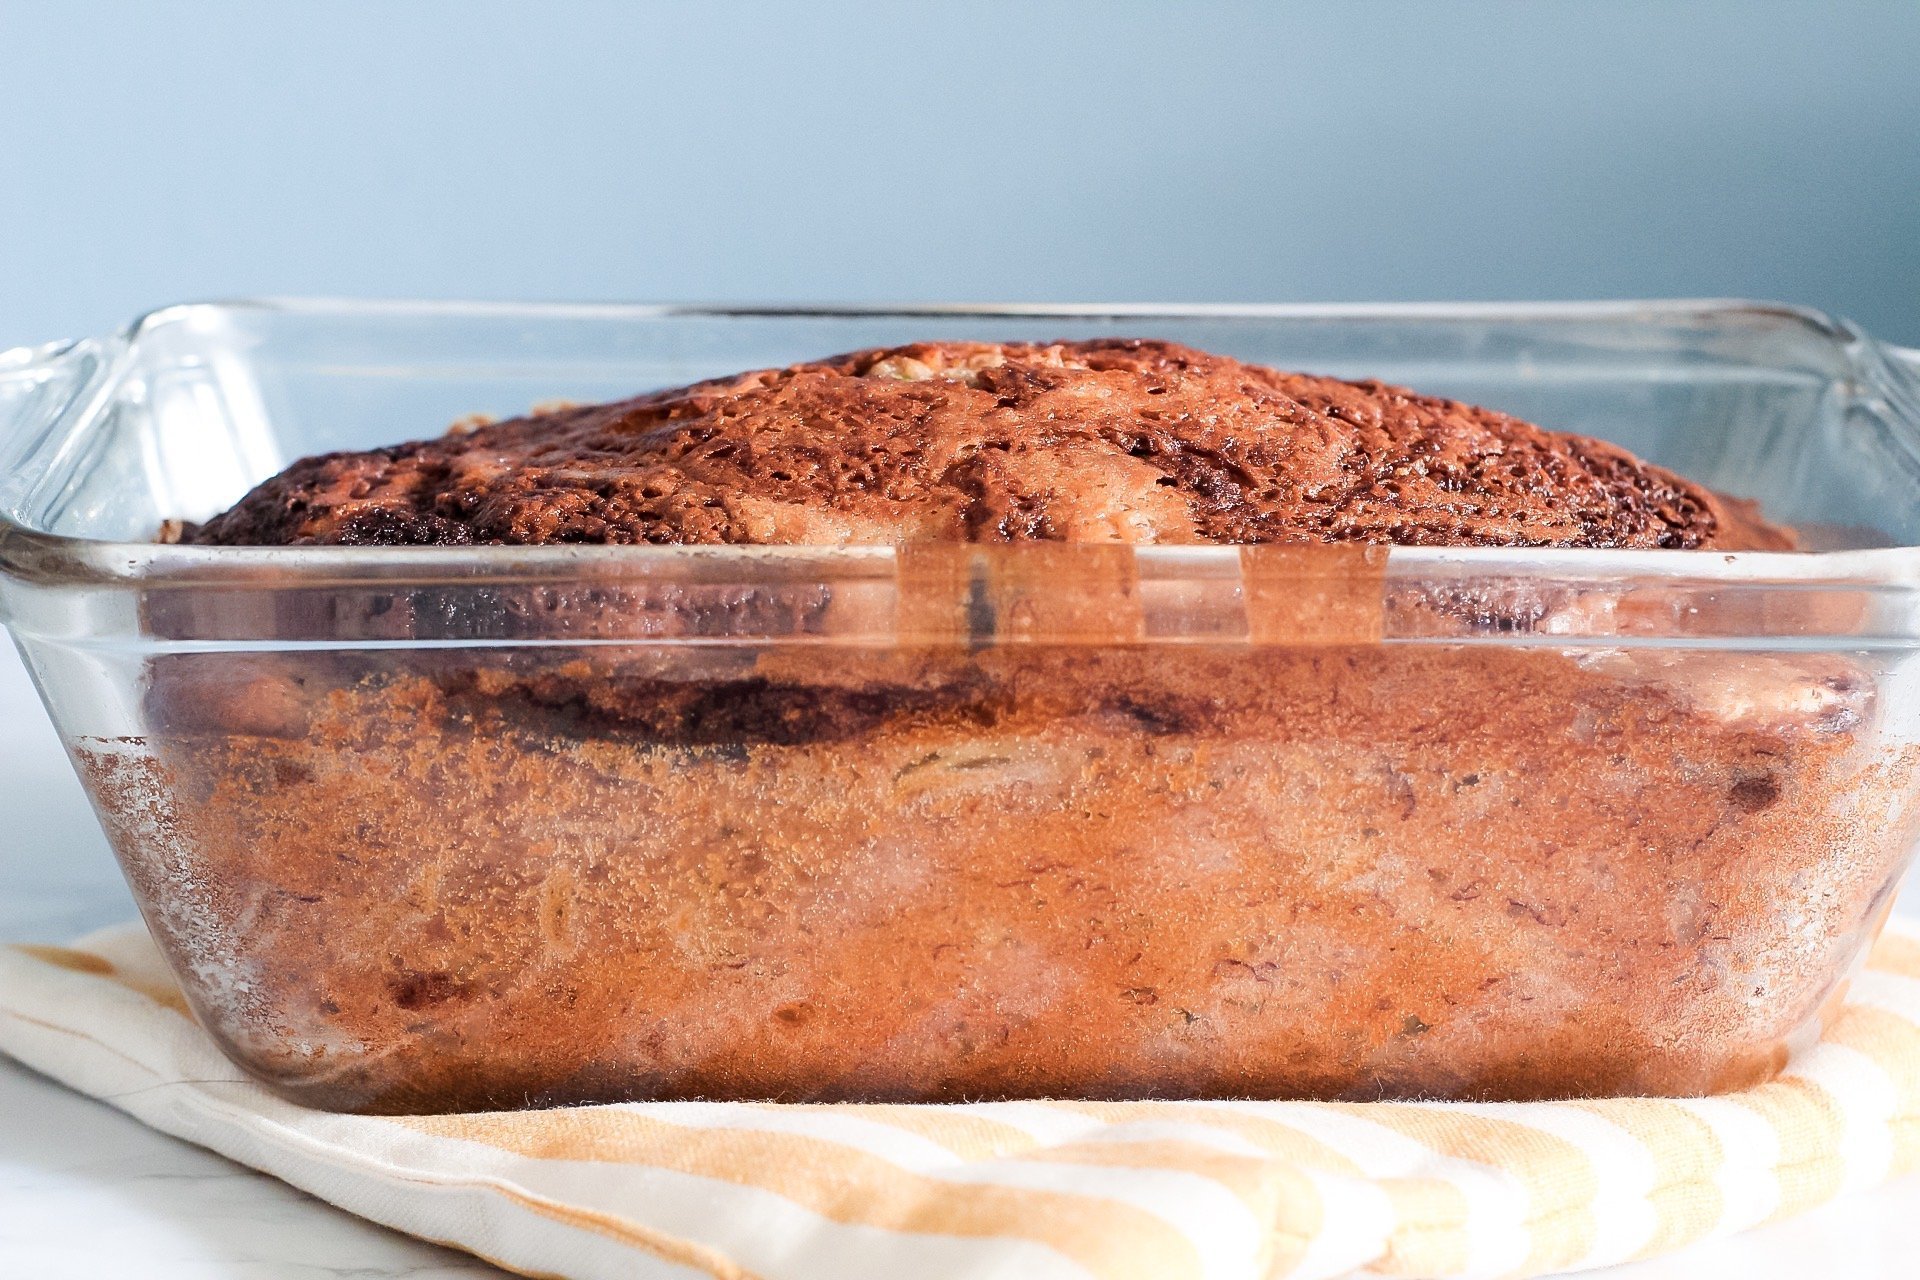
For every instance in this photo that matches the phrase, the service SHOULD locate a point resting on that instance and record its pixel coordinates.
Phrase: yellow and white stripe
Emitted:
(1034, 1190)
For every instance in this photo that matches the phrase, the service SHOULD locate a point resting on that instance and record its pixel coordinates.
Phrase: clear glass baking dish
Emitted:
(446, 828)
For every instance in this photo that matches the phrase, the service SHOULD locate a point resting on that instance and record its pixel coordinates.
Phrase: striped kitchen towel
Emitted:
(1127, 1191)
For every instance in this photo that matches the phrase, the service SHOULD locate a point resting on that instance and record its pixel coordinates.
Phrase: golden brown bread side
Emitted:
(1342, 871)
(1111, 440)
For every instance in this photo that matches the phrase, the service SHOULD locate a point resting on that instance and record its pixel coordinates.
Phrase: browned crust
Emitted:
(1113, 440)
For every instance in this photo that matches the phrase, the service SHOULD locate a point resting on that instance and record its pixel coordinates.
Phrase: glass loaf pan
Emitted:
(451, 828)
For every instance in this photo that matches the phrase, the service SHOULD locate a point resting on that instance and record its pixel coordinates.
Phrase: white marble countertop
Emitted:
(86, 1192)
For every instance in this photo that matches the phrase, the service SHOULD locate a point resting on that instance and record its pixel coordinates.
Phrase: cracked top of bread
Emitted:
(1112, 440)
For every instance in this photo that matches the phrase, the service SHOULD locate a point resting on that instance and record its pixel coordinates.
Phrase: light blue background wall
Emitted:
(152, 152)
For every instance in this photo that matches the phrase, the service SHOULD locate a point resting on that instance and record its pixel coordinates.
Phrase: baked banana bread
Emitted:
(737, 847)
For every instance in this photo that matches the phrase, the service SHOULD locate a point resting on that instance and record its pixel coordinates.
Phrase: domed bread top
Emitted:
(1112, 440)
